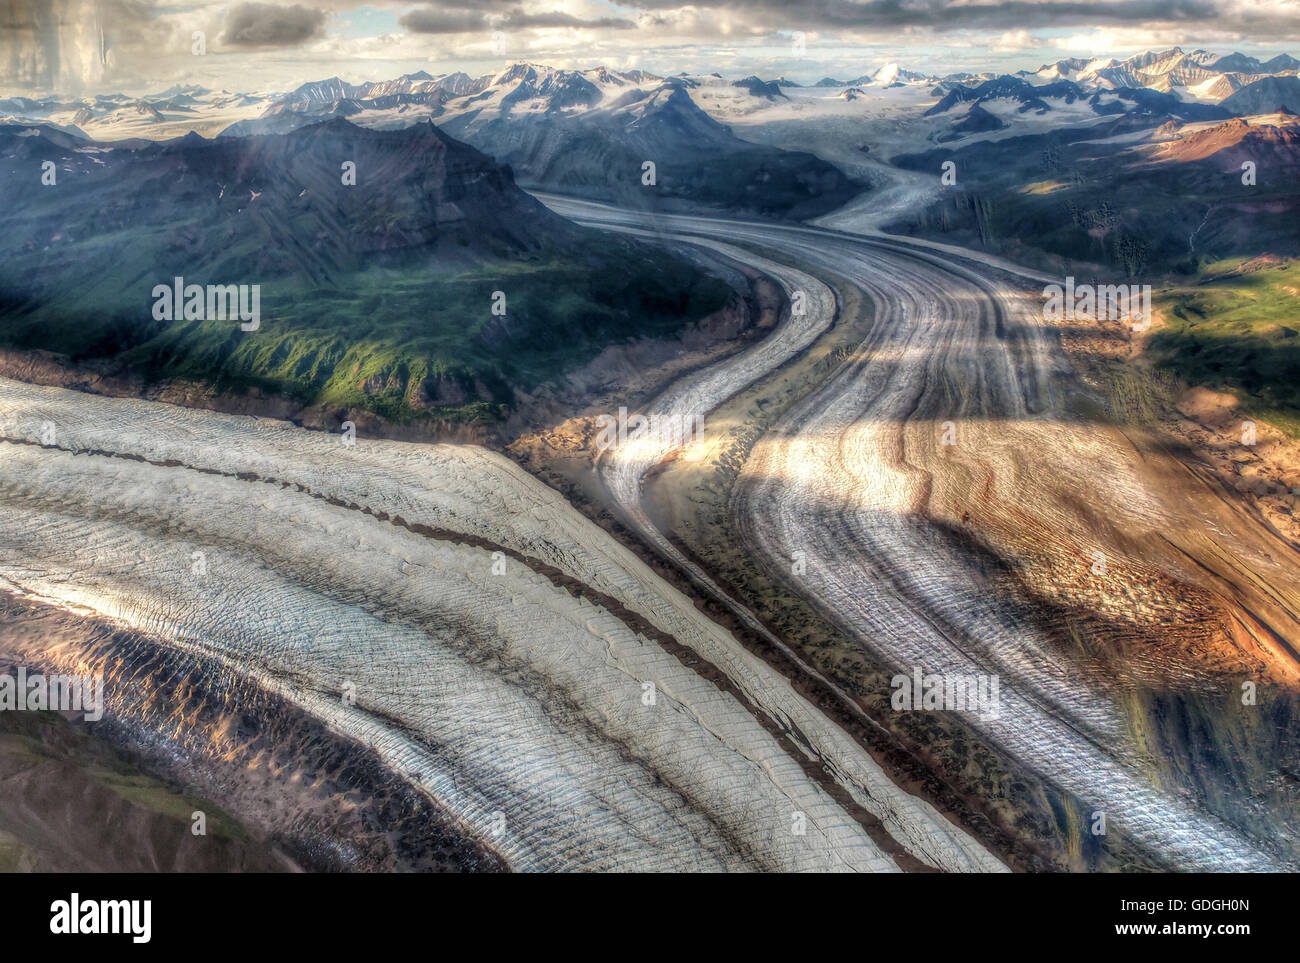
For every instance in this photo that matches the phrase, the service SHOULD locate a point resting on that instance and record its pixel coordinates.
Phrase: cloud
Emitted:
(269, 25)
(77, 46)
(860, 21)
(1096, 42)
(1016, 40)
(955, 14)
(557, 19)
(434, 20)
(454, 18)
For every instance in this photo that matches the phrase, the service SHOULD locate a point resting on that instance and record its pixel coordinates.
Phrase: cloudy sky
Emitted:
(84, 46)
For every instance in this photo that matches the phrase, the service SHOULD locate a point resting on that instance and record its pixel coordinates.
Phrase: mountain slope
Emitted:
(1030, 97)
(600, 150)
(1137, 201)
(1266, 96)
(588, 131)
(376, 295)
(1235, 141)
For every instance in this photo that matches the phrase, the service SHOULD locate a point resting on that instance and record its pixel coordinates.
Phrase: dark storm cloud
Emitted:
(268, 25)
(435, 20)
(942, 14)
(460, 19)
(557, 19)
(1273, 21)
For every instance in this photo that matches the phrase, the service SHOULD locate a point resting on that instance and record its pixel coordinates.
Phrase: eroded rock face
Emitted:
(428, 582)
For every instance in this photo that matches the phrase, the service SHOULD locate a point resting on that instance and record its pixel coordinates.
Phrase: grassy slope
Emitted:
(372, 341)
(378, 299)
(1087, 209)
(1239, 332)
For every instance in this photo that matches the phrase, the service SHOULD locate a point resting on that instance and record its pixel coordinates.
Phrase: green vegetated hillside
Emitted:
(1128, 201)
(377, 295)
(1237, 328)
(401, 343)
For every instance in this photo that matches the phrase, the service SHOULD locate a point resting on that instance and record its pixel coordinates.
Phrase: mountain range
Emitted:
(744, 146)
(1140, 200)
(530, 89)
(588, 132)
